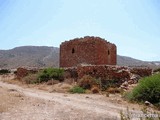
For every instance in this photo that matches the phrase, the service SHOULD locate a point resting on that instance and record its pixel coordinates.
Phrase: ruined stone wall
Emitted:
(87, 50)
(22, 72)
(142, 72)
(104, 72)
(109, 72)
(112, 72)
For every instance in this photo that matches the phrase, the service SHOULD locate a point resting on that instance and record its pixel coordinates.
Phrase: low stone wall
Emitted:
(108, 72)
(104, 72)
(142, 72)
(22, 72)
(70, 73)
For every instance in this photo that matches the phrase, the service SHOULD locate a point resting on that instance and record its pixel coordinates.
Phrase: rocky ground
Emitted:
(29, 103)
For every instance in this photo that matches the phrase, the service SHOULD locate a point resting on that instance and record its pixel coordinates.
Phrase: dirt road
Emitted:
(33, 104)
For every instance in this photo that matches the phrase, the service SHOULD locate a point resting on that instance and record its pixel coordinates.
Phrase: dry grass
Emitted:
(113, 90)
(95, 90)
(87, 82)
(43, 87)
(61, 88)
(13, 81)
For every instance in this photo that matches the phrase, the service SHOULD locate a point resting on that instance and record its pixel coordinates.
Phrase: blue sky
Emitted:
(133, 25)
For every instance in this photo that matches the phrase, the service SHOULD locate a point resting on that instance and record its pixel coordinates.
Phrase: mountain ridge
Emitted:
(47, 56)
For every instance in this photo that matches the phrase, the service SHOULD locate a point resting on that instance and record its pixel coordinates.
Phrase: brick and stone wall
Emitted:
(22, 72)
(142, 72)
(104, 72)
(87, 50)
(108, 72)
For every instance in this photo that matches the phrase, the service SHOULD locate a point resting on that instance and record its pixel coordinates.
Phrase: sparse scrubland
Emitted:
(147, 89)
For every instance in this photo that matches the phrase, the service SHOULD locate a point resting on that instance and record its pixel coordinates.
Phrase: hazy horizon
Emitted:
(58, 48)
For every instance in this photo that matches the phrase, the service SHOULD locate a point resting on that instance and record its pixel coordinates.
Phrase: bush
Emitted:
(31, 79)
(51, 73)
(87, 82)
(148, 89)
(4, 71)
(105, 84)
(77, 89)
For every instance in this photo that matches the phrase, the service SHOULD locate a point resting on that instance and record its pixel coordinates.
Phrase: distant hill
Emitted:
(128, 61)
(32, 56)
(43, 56)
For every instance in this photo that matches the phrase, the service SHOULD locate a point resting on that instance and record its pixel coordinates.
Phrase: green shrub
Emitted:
(4, 71)
(51, 73)
(148, 89)
(77, 89)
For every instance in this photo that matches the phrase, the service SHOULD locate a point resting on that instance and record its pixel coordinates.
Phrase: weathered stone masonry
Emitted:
(96, 57)
(87, 50)
(108, 72)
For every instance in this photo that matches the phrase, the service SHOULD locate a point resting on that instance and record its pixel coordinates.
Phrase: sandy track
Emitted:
(41, 105)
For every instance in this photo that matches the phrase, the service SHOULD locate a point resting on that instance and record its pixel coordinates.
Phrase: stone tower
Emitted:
(87, 50)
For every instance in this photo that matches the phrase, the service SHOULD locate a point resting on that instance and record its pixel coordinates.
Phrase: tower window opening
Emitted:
(73, 51)
(108, 52)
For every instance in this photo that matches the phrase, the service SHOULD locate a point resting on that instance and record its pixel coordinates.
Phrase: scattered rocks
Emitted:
(123, 87)
(12, 90)
(87, 97)
(147, 103)
(130, 82)
(107, 94)
(134, 78)
(119, 101)
(125, 84)
(65, 95)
